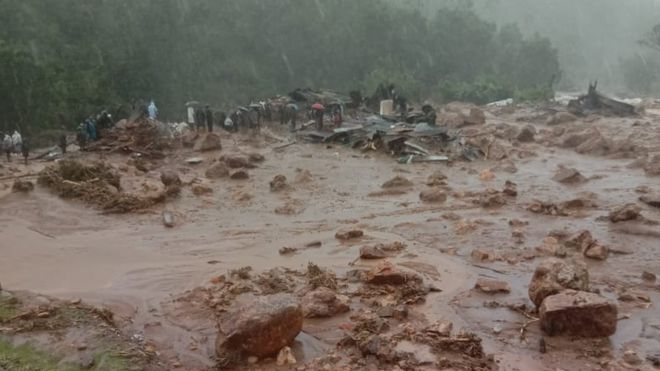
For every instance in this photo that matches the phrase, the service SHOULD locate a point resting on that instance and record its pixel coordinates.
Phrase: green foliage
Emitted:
(481, 91)
(538, 94)
(641, 73)
(64, 60)
(26, 358)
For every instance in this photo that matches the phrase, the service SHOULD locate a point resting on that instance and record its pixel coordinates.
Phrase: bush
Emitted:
(482, 91)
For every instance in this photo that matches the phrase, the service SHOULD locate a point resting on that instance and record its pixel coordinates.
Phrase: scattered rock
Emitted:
(560, 118)
(372, 252)
(239, 175)
(491, 199)
(437, 179)
(208, 142)
(217, 171)
(486, 175)
(278, 183)
(256, 157)
(553, 276)
(578, 313)
(526, 134)
(170, 178)
(441, 328)
(386, 274)
(237, 161)
(397, 182)
(433, 195)
(632, 296)
(168, 219)
(648, 276)
(481, 255)
(510, 189)
(349, 234)
(285, 357)
(625, 213)
(201, 190)
(551, 247)
(492, 286)
(476, 117)
(324, 302)
(651, 200)
(242, 196)
(579, 241)
(596, 251)
(652, 167)
(631, 357)
(568, 176)
(260, 327)
(303, 176)
(23, 186)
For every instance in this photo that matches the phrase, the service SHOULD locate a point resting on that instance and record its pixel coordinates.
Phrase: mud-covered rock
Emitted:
(596, 251)
(201, 190)
(489, 286)
(561, 118)
(510, 189)
(491, 199)
(349, 234)
(397, 182)
(208, 142)
(553, 276)
(278, 183)
(386, 273)
(239, 175)
(567, 175)
(651, 199)
(260, 327)
(579, 241)
(217, 171)
(646, 276)
(437, 179)
(625, 213)
(237, 161)
(256, 157)
(578, 313)
(527, 134)
(372, 252)
(551, 247)
(23, 186)
(324, 302)
(170, 178)
(475, 117)
(433, 195)
(652, 167)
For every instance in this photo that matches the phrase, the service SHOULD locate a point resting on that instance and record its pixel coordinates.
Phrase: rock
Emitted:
(201, 190)
(596, 251)
(23, 186)
(372, 252)
(579, 241)
(399, 312)
(217, 171)
(437, 179)
(651, 200)
(256, 157)
(553, 276)
(578, 313)
(526, 134)
(648, 276)
(441, 328)
(260, 327)
(632, 296)
(349, 234)
(510, 189)
(237, 161)
(625, 213)
(652, 167)
(278, 183)
(239, 175)
(486, 175)
(492, 286)
(480, 255)
(324, 302)
(170, 178)
(631, 357)
(551, 247)
(386, 274)
(285, 357)
(568, 176)
(476, 117)
(168, 219)
(397, 182)
(303, 176)
(433, 195)
(560, 118)
(491, 200)
(208, 142)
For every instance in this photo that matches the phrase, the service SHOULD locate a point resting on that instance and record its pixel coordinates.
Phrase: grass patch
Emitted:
(26, 358)
(8, 305)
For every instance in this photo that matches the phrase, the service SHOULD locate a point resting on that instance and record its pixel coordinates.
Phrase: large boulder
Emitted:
(568, 176)
(625, 213)
(433, 195)
(526, 134)
(261, 326)
(170, 178)
(553, 276)
(397, 182)
(208, 142)
(23, 186)
(475, 117)
(560, 118)
(386, 273)
(237, 161)
(578, 313)
(651, 199)
(217, 171)
(324, 302)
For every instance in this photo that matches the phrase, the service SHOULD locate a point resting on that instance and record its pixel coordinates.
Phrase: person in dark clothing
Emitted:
(318, 115)
(209, 118)
(200, 119)
(25, 149)
(429, 115)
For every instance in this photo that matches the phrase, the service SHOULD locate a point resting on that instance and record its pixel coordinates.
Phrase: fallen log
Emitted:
(594, 102)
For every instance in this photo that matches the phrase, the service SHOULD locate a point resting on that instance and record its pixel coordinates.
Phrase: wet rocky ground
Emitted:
(319, 256)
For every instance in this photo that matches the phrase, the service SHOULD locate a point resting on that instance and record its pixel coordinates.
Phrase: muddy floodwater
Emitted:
(136, 267)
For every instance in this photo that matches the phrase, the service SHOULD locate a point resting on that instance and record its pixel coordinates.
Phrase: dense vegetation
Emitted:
(64, 60)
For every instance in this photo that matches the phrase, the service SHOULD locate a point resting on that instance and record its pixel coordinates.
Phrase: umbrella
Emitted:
(318, 107)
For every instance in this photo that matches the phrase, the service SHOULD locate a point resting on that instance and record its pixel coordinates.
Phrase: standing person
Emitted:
(318, 112)
(229, 124)
(90, 128)
(209, 118)
(17, 141)
(337, 117)
(63, 143)
(200, 120)
(292, 114)
(81, 137)
(7, 146)
(152, 110)
(191, 116)
(25, 150)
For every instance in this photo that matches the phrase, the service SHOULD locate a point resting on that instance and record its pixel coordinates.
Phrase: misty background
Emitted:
(68, 59)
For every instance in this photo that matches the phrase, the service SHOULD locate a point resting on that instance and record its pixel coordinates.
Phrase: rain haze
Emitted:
(329, 185)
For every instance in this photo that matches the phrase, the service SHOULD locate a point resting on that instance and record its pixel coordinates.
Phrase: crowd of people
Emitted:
(14, 144)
